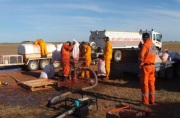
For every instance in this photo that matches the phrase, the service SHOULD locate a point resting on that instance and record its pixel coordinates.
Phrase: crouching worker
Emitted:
(48, 72)
(167, 55)
(101, 66)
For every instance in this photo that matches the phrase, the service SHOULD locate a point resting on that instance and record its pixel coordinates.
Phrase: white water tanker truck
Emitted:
(121, 40)
(30, 55)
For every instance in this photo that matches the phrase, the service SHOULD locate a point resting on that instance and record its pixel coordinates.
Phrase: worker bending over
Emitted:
(167, 55)
(86, 53)
(107, 56)
(147, 74)
(65, 58)
(43, 47)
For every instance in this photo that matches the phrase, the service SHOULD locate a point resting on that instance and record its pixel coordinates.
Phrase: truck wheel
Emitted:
(33, 65)
(43, 63)
(169, 73)
(56, 64)
(117, 56)
(156, 74)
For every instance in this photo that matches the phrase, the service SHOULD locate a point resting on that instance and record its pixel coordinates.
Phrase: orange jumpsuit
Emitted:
(65, 58)
(87, 54)
(108, 57)
(43, 47)
(147, 74)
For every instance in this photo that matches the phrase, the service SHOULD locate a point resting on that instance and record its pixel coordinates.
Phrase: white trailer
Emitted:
(121, 40)
(30, 55)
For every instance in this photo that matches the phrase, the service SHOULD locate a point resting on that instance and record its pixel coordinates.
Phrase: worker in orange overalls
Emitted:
(86, 53)
(43, 47)
(147, 70)
(108, 56)
(65, 58)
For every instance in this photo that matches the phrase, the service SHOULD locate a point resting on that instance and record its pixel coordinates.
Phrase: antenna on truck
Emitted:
(140, 32)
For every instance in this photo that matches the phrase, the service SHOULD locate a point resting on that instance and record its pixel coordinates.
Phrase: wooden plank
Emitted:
(39, 84)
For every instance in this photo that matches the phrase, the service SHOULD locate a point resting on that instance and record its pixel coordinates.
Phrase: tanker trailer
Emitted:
(31, 54)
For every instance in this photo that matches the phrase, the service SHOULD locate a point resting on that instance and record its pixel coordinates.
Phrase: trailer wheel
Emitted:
(56, 64)
(33, 65)
(117, 56)
(43, 63)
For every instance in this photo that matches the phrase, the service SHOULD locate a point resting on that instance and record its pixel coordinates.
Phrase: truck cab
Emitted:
(156, 37)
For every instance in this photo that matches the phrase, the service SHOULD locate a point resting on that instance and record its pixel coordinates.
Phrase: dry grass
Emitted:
(171, 46)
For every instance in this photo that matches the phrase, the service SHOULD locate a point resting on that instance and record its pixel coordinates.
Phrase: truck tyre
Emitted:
(169, 73)
(117, 56)
(156, 74)
(56, 64)
(33, 65)
(43, 63)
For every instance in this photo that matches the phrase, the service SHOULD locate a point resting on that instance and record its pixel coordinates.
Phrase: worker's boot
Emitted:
(106, 78)
(65, 78)
(82, 74)
(69, 77)
(43, 56)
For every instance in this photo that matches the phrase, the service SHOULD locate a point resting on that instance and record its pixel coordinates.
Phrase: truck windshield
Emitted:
(158, 37)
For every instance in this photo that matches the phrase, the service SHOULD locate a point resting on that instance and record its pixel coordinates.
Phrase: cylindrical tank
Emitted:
(34, 51)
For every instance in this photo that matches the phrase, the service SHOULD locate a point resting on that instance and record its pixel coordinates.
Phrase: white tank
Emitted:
(33, 50)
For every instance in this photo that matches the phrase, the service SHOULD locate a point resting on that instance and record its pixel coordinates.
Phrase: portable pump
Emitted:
(79, 108)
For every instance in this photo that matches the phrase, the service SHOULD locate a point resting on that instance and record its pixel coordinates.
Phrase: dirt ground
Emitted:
(120, 90)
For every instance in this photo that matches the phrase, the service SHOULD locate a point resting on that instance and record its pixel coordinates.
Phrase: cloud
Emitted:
(167, 12)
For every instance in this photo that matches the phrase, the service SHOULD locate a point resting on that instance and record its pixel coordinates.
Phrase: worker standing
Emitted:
(146, 63)
(75, 52)
(86, 52)
(65, 58)
(43, 47)
(107, 56)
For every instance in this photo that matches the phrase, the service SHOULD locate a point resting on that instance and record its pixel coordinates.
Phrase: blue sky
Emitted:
(63, 20)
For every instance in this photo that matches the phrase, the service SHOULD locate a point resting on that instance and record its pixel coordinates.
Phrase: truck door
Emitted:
(156, 38)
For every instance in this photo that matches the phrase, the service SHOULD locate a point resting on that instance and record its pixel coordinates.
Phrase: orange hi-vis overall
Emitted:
(87, 53)
(147, 74)
(108, 57)
(43, 46)
(65, 58)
